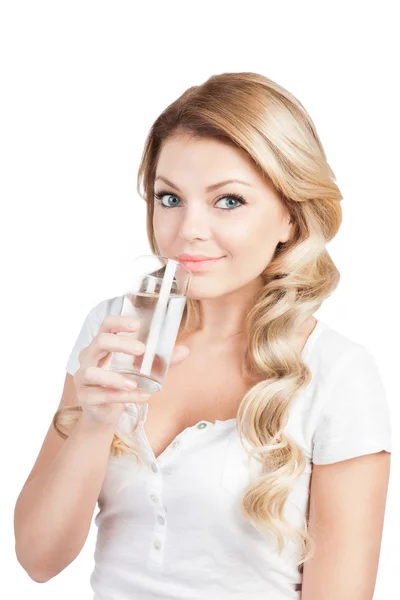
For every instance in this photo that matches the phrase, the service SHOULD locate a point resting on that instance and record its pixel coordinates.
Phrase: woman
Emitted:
(261, 467)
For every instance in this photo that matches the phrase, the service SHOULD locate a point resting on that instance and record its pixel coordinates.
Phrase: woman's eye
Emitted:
(228, 199)
(160, 199)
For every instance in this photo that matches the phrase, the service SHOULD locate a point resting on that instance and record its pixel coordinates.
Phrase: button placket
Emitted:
(159, 538)
(159, 528)
(186, 439)
(160, 512)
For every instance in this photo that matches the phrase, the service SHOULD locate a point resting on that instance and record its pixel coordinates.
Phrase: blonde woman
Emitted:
(261, 468)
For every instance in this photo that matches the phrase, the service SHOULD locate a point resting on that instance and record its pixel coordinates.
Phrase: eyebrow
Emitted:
(210, 188)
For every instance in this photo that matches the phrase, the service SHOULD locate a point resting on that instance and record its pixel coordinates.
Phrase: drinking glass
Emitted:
(156, 295)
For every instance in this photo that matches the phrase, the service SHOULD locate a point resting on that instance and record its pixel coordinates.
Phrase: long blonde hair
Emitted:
(274, 129)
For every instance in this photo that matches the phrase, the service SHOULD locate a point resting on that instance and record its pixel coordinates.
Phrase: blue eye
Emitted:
(160, 195)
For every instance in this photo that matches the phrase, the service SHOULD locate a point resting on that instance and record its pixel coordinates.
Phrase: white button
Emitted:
(157, 545)
(154, 467)
(201, 425)
(175, 444)
(154, 497)
(160, 519)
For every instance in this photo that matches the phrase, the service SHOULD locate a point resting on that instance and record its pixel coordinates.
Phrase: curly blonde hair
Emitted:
(274, 129)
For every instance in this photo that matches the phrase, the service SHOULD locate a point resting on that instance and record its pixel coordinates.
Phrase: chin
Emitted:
(194, 294)
(200, 290)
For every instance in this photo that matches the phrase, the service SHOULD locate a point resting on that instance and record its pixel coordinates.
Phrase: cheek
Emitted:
(255, 236)
(163, 231)
(251, 247)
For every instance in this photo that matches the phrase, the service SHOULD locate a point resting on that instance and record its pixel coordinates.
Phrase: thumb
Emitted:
(179, 353)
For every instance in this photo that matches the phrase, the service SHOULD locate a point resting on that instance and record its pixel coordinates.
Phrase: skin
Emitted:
(347, 512)
(198, 223)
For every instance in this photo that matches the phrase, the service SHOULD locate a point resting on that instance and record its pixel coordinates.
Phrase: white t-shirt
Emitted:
(172, 529)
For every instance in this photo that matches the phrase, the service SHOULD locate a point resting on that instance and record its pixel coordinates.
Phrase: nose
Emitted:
(195, 223)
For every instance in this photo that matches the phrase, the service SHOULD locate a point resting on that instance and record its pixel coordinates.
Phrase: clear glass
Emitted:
(156, 295)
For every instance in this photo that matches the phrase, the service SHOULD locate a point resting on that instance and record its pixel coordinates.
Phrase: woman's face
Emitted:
(194, 220)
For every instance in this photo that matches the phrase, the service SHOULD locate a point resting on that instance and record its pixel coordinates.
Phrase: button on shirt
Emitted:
(170, 527)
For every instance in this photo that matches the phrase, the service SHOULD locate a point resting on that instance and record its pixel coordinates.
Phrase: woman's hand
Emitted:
(102, 394)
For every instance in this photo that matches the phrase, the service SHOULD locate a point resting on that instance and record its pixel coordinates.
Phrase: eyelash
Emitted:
(159, 195)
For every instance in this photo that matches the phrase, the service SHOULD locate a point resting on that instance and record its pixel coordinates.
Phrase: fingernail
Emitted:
(139, 348)
(130, 385)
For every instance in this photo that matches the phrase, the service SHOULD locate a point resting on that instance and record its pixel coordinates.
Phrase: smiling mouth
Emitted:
(200, 265)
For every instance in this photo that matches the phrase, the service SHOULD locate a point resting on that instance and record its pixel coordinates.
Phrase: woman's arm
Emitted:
(54, 510)
(347, 508)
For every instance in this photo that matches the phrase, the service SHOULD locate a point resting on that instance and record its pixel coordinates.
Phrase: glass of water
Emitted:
(156, 296)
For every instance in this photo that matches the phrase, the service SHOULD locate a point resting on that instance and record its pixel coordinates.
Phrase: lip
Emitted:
(196, 257)
(200, 265)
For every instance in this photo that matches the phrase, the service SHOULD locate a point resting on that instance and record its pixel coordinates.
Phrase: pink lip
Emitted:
(196, 257)
(199, 265)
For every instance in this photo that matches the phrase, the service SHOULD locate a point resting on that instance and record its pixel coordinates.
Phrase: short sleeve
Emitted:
(90, 328)
(355, 417)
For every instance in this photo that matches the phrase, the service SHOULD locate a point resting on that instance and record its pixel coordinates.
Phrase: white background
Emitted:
(82, 83)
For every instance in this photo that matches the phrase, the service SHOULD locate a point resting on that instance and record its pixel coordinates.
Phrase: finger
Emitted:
(110, 324)
(109, 342)
(95, 376)
(96, 396)
(117, 323)
(103, 344)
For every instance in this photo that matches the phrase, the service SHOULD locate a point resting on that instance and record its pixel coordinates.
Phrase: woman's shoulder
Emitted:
(346, 394)
(331, 348)
(109, 306)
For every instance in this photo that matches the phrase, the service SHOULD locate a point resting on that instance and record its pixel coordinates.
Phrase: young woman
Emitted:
(260, 470)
